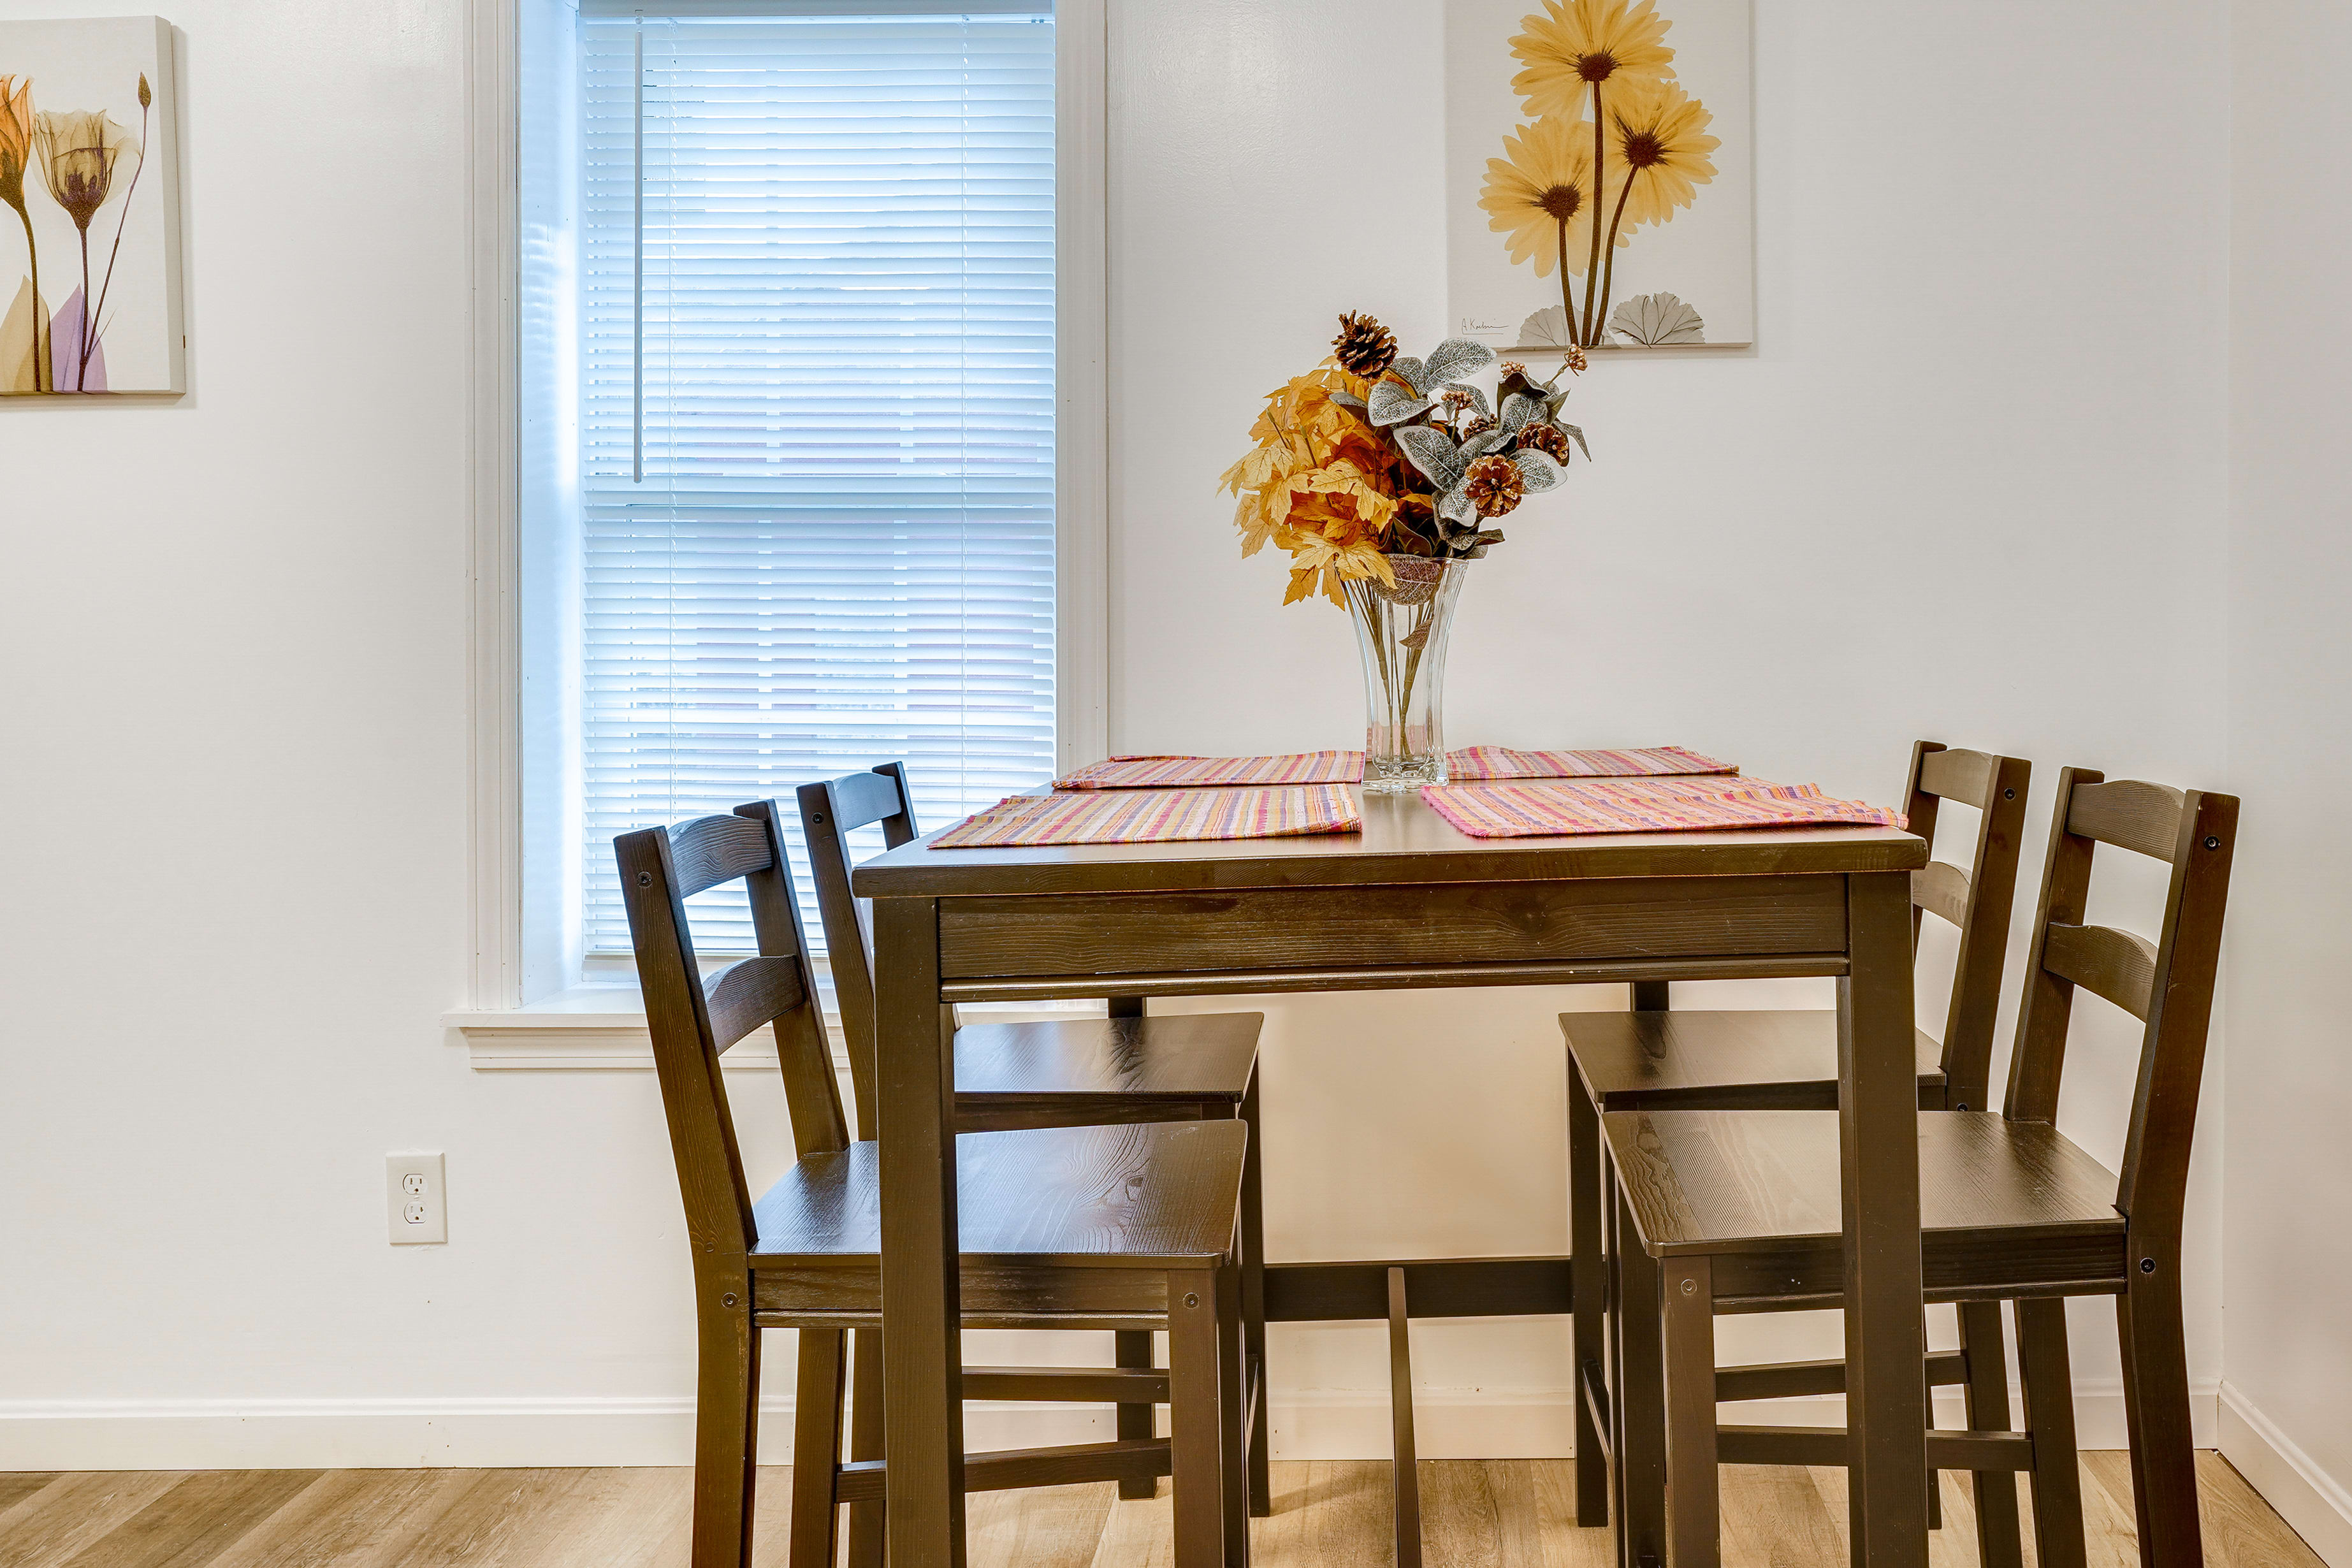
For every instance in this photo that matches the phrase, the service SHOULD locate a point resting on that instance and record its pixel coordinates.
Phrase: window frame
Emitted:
(501, 920)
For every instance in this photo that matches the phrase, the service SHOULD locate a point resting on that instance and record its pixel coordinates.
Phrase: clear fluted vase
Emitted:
(1402, 633)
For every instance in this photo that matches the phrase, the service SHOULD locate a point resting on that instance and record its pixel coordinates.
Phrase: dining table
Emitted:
(1410, 901)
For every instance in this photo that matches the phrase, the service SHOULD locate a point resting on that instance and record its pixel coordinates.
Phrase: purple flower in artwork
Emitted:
(74, 374)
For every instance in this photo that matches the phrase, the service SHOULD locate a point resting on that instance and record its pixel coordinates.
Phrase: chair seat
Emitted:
(1150, 1195)
(1172, 1057)
(2000, 1202)
(1763, 1059)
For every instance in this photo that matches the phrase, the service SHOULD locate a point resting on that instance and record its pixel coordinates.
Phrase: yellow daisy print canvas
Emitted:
(1599, 182)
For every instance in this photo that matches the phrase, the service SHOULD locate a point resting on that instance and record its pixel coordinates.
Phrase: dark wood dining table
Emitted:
(1408, 903)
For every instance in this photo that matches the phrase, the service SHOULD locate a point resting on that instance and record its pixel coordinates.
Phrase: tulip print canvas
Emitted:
(89, 210)
(1599, 180)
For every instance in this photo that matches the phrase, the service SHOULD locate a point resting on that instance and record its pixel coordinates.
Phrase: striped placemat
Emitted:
(1642, 805)
(1156, 816)
(1470, 765)
(1474, 764)
(1187, 772)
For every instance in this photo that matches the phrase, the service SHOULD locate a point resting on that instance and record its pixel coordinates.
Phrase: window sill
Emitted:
(594, 1028)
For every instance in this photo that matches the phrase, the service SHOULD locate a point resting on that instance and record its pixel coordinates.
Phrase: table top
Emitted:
(1402, 841)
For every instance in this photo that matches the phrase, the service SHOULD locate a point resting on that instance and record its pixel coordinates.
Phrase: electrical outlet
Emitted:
(416, 1203)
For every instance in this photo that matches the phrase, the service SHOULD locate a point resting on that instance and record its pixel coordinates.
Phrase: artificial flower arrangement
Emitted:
(1370, 455)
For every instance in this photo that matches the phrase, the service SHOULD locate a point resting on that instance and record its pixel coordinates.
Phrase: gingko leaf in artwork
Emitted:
(1598, 167)
(89, 247)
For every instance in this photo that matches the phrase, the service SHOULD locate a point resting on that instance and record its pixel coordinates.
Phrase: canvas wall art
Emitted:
(89, 244)
(1599, 186)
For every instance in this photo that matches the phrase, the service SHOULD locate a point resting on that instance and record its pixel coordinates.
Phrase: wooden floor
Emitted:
(1481, 1514)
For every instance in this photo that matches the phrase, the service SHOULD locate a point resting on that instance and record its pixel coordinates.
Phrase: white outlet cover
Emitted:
(416, 1205)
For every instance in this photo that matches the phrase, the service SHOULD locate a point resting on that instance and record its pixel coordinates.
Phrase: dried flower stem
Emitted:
(1609, 279)
(1566, 296)
(1600, 188)
(122, 221)
(45, 373)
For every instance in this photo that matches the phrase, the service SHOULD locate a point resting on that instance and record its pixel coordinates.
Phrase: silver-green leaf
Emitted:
(1393, 403)
(1433, 452)
(1538, 472)
(1454, 359)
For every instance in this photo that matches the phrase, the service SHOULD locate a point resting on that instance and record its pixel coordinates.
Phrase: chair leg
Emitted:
(1233, 1412)
(1197, 1438)
(1132, 1349)
(2048, 1381)
(1693, 1525)
(1261, 1484)
(1999, 1538)
(1588, 1286)
(2156, 1408)
(866, 1529)
(1636, 1403)
(817, 1448)
(725, 1438)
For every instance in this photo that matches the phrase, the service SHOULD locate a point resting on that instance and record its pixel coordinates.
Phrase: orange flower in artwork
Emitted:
(29, 368)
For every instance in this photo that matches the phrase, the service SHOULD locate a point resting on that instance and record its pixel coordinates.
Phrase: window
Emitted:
(787, 340)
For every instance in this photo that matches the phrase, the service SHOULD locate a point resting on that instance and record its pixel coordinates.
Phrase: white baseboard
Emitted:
(1315, 1424)
(2316, 1503)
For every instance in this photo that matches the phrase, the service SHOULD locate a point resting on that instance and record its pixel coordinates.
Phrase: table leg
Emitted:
(1588, 1276)
(922, 1355)
(1885, 1334)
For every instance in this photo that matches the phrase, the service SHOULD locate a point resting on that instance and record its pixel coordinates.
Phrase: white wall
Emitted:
(1968, 485)
(2289, 1256)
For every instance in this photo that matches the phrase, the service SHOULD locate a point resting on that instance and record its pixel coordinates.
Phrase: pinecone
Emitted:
(1476, 424)
(1548, 439)
(1494, 486)
(1364, 347)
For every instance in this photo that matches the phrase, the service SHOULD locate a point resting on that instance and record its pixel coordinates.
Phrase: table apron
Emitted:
(1622, 929)
(1263, 982)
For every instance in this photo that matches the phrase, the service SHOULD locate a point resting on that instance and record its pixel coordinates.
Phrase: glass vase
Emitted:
(1402, 633)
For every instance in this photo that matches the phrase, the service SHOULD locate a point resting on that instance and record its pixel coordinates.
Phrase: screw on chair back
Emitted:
(1976, 900)
(2166, 983)
(829, 812)
(694, 1019)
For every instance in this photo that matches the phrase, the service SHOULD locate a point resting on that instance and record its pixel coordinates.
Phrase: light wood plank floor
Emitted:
(1480, 1513)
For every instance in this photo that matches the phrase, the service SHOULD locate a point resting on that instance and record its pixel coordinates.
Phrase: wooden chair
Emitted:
(1130, 1229)
(1072, 1072)
(1738, 1210)
(1652, 1059)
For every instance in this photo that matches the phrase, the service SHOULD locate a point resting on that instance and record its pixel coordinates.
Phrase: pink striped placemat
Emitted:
(1471, 763)
(1642, 805)
(1474, 764)
(1181, 772)
(1155, 816)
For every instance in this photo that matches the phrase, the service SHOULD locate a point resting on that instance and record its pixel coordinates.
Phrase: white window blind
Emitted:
(816, 418)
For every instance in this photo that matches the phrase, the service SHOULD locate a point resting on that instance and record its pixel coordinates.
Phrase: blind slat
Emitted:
(842, 549)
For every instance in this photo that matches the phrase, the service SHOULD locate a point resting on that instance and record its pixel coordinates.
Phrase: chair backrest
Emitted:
(2167, 984)
(829, 812)
(1976, 901)
(694, 1020)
